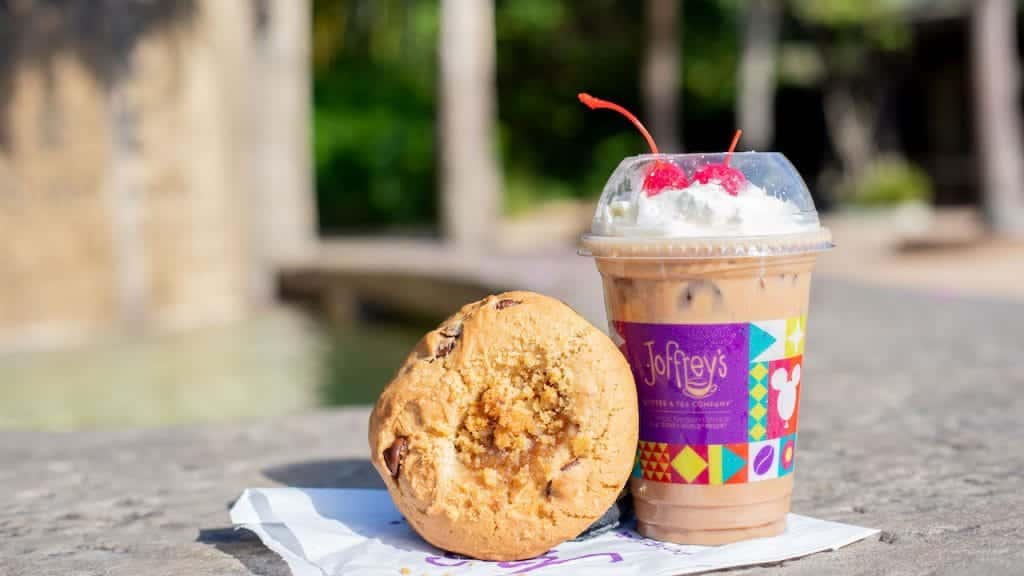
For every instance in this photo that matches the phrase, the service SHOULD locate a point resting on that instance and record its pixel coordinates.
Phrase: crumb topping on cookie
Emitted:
(523, 413)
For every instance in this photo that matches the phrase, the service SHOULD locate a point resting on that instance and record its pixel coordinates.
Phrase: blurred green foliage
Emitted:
(374, 128)
(890, 181)
(375, 93)
(549, 50)
(852, 29)
(375, 67)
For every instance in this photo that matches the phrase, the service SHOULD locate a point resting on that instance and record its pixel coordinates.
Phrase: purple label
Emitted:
(691, 381)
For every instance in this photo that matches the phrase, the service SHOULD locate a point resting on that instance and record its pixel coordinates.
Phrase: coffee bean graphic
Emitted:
(763, 460)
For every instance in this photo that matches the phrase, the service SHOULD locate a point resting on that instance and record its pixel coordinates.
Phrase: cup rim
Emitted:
(738, 153)
(704, 248)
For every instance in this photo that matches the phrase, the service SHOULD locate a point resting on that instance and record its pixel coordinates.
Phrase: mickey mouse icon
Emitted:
(786, 386)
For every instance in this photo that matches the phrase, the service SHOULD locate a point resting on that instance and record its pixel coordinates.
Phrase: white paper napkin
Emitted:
(360, 533)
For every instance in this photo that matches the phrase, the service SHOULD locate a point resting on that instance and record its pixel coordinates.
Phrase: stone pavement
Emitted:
(910, 422)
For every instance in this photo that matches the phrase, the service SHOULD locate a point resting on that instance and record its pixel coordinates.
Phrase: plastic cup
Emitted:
(713, 324)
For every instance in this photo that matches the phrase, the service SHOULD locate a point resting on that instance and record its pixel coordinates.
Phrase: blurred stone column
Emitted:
(154, 163)
(127, 204)
(755, 109)
(470, 182)
(661, 81)
(997, 106)
(280, 113)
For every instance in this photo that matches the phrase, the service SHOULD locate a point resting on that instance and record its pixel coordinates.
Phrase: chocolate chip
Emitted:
(502, 304)
(394, 454)
(445, 349)
(567, 466)
(452, 330)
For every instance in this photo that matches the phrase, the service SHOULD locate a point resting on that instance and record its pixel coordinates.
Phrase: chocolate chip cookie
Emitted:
(508, 429)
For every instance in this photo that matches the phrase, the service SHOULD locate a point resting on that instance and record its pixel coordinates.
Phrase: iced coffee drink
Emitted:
(706, 261)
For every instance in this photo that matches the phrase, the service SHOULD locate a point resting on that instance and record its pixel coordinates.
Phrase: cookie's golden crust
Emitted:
(509, 429)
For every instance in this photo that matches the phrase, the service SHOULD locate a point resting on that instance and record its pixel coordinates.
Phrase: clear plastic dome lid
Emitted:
(682, 201)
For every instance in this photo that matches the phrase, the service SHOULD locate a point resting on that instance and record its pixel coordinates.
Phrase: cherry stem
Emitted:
(595, 103)
(732, 147)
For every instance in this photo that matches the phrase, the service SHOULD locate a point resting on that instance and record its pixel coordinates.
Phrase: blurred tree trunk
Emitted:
(661, 84)
(757, 81)
(850, 120)
(470, 183)
(997, 100)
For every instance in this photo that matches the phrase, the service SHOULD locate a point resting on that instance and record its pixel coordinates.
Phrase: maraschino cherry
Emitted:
(661, 175)
(730, 179)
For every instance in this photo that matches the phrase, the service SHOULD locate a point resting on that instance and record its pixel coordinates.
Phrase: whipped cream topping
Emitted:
(702, 210)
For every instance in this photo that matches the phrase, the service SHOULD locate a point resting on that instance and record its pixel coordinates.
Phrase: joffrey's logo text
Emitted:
(693, 374)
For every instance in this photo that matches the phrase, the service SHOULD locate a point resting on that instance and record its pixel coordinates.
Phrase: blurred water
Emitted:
(362, 358)
(277, 363)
